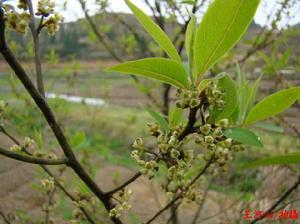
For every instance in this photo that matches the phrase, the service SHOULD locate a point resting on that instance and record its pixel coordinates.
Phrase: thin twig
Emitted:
(5, 219)
(32, 159)
(37, 49)
(126, 183)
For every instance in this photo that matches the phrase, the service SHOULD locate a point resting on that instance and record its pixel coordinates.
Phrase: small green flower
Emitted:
(205, 129)
(209, 139)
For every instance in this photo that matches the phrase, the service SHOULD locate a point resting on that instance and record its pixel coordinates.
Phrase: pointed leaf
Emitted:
(189, 41)
(160, 69)
(244, 136)
(159, 119)
(276, 160)
(155, 31)
(222, 26)
(273, 105)
(227, 85)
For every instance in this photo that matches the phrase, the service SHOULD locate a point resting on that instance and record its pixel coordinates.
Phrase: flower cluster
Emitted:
(45, 8)
(22, 4)
(188, 98)
(123, 205)
(214, 96)
(19, 21)
(83, 200)
(53, 19)
(28, 144)
(210, 144)
(48, 184)
(211, 138)
(52, 24)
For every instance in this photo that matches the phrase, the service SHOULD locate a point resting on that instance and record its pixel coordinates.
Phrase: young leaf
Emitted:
(155, 31)
(160, 69)
(159, 119)
(276, 160)
(273, 105)
(222, 26)
(175, 116)
(244, 136)
(227, 85)
(189, 40)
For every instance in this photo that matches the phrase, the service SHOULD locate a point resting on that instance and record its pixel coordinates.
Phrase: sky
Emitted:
(73, 10)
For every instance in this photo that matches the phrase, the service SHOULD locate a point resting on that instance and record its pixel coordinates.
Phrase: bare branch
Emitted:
(5, 219)
(126, 183)
(31, 159)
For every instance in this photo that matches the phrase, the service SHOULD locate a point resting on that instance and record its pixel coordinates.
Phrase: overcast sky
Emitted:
(73, 10)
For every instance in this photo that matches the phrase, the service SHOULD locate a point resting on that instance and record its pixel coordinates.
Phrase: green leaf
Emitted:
(160, 69)
(222, 26)
(273, 105)
(175, 116)
(189, 41)
(227, 85)
(159, 119)
(244, 136)
(269, 127)
(276, 160)
(155, 31)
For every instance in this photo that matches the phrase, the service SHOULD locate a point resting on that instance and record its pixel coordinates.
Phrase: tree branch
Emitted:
(31, 159)
(122, 186)
(37, 49)
(5, 219)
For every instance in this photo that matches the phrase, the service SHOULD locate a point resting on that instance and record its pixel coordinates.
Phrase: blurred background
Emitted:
(102, 113)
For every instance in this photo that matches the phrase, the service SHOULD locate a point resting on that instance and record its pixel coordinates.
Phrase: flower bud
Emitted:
(209, 139)
(199, 140)
(175, 153)
(211, 147)
(220, 103)
(205, 129)
(153, 129)
(218, 132)
(164, 148)
(227, 142)
(15, 148)
(223, 123)
(138, 143)
(173, 141)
